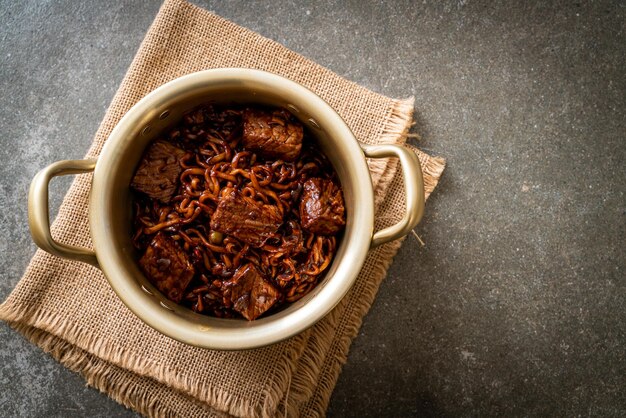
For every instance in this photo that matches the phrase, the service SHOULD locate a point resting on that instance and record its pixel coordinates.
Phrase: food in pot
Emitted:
(167, 266)
(250, 294)
(272, 135)
(157, 175)
(321, 207)
(236, 211)
(250, 221)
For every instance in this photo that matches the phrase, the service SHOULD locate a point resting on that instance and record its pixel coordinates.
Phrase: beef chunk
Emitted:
(250, 293)
(158, 172)
(272, 134)
(167, 267)
(244, 218)
(321, 207)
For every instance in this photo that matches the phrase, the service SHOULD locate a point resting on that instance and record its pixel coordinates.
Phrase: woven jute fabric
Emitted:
(68, 309)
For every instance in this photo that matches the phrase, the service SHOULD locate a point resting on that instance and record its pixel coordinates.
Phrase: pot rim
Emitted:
(215, 333)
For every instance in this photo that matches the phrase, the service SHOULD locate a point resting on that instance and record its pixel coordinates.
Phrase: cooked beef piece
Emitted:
(250, 293)
(167, 266)
(244, 218)
(272, 134)
(321, 207)
(157, 175)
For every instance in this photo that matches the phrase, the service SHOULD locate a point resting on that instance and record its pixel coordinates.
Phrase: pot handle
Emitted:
(413, 186)
(38, 216)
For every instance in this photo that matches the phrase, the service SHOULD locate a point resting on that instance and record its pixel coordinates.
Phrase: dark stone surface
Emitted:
(515, 306)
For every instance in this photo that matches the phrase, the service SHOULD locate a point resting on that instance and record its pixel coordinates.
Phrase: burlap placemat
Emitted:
(68, 309)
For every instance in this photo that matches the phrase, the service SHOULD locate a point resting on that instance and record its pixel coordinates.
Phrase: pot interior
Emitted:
(111, 206)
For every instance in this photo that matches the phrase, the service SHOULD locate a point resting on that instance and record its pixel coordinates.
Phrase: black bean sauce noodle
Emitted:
(210, 161)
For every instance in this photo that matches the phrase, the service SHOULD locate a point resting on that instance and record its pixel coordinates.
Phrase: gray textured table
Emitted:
(517, 303)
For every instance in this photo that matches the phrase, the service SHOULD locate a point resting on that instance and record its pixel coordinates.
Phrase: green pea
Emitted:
(216, 237)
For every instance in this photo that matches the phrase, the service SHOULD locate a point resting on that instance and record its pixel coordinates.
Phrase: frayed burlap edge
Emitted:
(51, 325)
(110, 379)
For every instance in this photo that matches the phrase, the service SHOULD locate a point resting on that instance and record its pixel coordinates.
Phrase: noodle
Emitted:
(293, 259)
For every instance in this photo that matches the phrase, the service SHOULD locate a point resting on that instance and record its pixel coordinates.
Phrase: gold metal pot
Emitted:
(110, 205)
